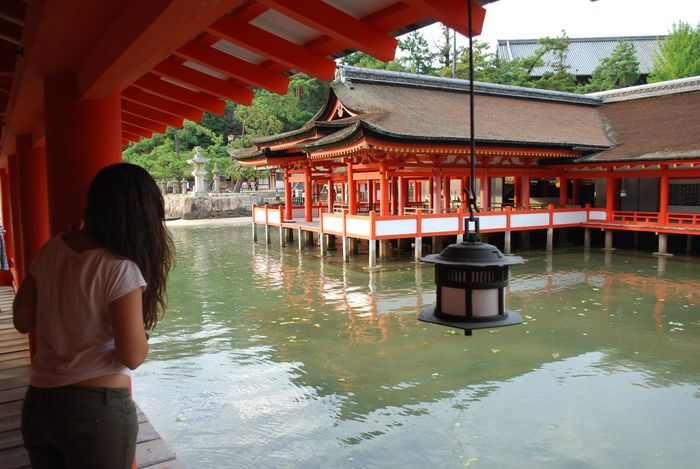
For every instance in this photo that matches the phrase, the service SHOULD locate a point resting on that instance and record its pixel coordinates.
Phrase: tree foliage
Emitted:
(680, 54)
(619, 69)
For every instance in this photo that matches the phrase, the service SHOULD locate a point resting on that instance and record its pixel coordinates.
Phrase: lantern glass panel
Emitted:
(485, 303)
(453, 301)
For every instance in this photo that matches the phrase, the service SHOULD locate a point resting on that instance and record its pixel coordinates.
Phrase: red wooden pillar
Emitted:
(517, 191)
(446, 196)
(384, 188)
(31, 163)
(418, 191)
(13, 171)
(352, 191)
(663, 200)
(331, 196)
(308, 196)
(485, 192)
(403, 195)
(371, 194)
(82, 137)
(7, 213)
(394, 198)
(437, 193)
(610, 195)
(288, 203)
(525, 191)
(463, 194)
(563, 191)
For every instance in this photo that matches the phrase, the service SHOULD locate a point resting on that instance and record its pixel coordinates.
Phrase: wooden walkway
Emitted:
(151, 451)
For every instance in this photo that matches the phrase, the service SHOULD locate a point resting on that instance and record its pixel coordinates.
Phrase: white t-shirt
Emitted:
(75, 341)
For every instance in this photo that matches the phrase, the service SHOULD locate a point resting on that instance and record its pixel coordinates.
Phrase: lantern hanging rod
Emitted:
(473, 236)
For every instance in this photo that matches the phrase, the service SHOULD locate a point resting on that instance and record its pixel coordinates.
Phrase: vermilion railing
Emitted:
(637, 218)
(690, 219)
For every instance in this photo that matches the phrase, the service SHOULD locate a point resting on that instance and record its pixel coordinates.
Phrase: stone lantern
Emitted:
(200, 173)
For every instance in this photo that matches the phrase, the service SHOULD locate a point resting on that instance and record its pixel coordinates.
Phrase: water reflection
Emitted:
(273, 358)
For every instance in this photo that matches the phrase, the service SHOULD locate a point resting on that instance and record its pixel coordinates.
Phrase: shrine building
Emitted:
(387, 158)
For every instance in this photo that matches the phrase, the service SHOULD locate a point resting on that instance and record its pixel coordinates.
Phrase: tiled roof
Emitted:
(584, 54)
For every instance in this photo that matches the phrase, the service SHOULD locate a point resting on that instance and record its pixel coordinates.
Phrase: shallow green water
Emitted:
(269, 358)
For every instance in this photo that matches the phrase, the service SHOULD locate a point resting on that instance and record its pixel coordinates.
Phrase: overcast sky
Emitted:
(533, 19)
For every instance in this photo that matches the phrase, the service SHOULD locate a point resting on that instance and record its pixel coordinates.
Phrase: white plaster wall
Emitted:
(439, 225)
(563, 218)
(395, 227)
(529, 220)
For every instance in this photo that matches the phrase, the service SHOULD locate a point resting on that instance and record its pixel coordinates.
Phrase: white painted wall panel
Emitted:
(439, 225)
(492, 222)
(260, 215)
(358, 227)
(565, 218)
(395, 227)
(332, 224)
(273, 216)
(529, 220)
(598, 215)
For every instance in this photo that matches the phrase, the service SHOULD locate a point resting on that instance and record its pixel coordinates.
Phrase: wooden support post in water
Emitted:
(322, 244)
(384, 248)
(663, 246)
(255, 232)
(507, 243)
(281, 236)
(290, 234)
(550, 240)
(301, 239)
(373, 253)
(346, 249)
(418, 247)
(608, 241)
(267, 233)
(586, 238)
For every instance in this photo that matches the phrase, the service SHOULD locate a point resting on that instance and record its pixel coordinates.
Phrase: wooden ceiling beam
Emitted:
(173, 107)
(234, 67)
(10, 32)
(204, 82)
(334, 23)
(144, 123)
(453, 13)
(280, 50)
(130, 137)
(132, 129)
(203, 101)
(151, 113)
(13, 11)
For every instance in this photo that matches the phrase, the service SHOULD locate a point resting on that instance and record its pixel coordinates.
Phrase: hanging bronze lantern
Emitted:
(471, 278)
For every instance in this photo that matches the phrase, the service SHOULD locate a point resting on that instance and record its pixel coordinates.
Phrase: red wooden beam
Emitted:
(203, 101)
(152, 114)
(141, 35)
(129, 136)
(173, 107)
(204, 82)
(274, 47)
(235, 67)
(339, 25)
(136, 130)
(13, 11)
(453, 13)
(10, 32)
(144, 123)
(125, 141)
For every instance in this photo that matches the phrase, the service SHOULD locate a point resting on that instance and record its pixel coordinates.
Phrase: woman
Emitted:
(91, 294)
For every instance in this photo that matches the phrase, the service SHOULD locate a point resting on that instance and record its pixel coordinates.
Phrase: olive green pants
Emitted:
(79, 427)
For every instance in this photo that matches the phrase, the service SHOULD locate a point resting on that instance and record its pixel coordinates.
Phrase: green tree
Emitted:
(360, 59)
(619, 69)
(555, 50)
(680, 54)
(419, 57)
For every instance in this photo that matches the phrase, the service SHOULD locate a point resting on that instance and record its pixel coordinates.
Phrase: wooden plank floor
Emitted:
(151, 451)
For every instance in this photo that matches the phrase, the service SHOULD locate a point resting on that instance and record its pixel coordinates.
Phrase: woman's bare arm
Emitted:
(127, 323)
(24, 305)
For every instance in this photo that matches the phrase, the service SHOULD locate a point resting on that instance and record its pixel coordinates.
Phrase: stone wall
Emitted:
(189, 207)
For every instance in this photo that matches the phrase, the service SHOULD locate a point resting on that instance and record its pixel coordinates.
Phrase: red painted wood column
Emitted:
(446, 196)
(371, 194)
(308, 196)
(352, 191)
(563, 191)
(403, 194)
(394, 198)
(462, 194)
(663, 200)
(517, 191)
(485, 192)
(331, 196)
(7, 213)
(16, 210)
(287, 195)
(525, 191)
(82, 137)
(31, 163)
(384, 195)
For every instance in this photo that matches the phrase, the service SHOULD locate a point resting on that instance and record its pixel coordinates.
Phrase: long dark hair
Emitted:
(125, 214)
